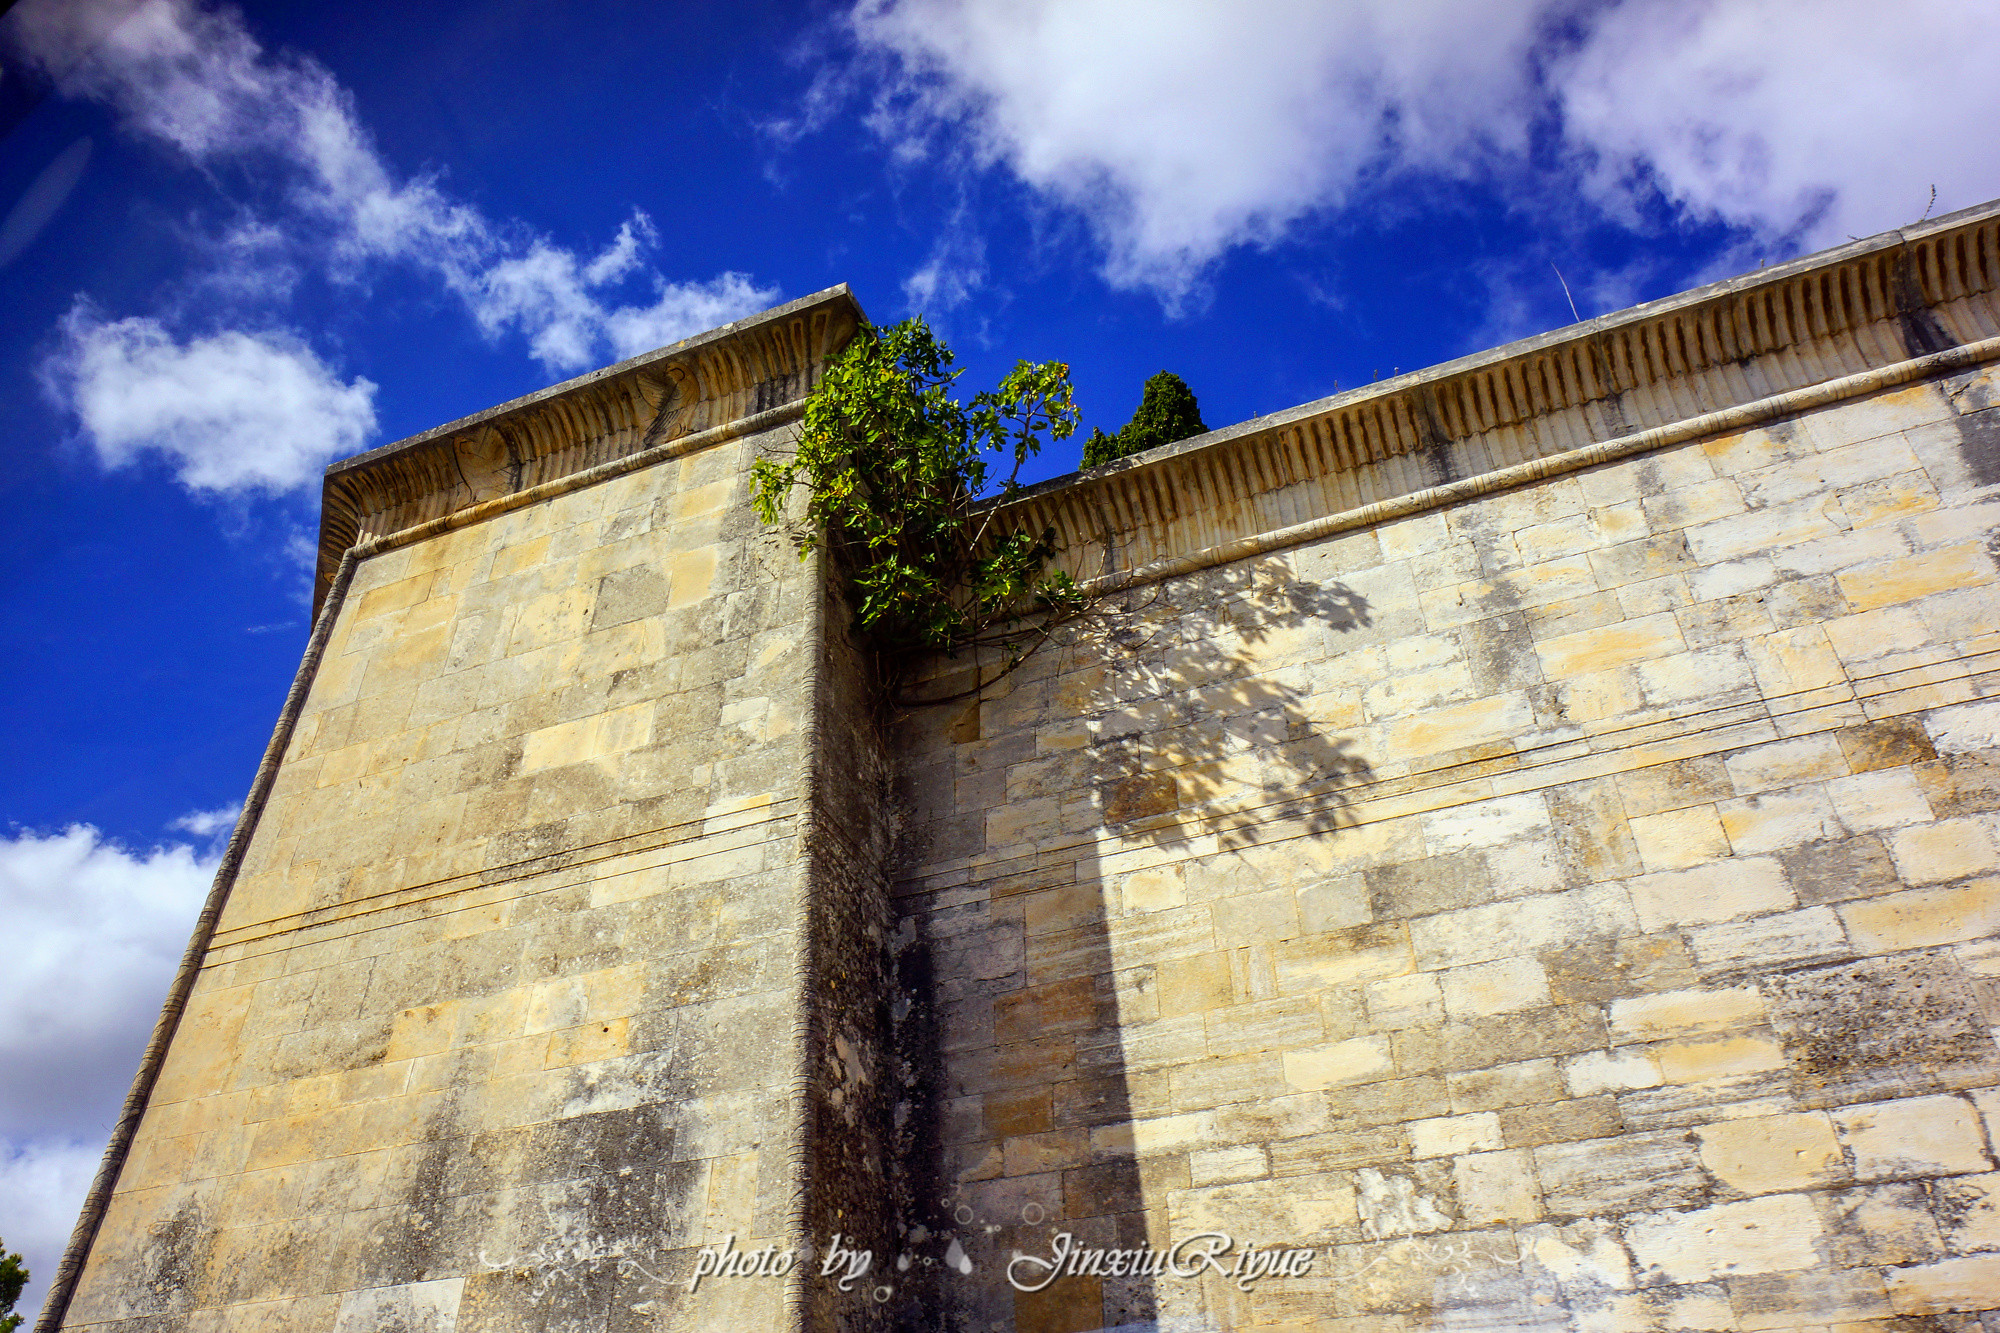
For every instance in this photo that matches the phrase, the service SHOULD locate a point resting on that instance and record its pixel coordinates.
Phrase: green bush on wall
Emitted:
(894, 468)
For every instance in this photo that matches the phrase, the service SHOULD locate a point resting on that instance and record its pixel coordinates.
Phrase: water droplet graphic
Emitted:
(957, 1257)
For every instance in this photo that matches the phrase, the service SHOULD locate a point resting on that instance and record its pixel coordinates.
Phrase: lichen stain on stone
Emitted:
(1913, 1015)
(174, 1261)
(1395, 1204)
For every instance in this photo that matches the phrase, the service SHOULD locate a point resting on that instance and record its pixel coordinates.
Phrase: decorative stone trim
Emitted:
(697, 386)
(1890, 299)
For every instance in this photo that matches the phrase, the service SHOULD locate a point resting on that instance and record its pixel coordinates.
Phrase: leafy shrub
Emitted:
(894, 469)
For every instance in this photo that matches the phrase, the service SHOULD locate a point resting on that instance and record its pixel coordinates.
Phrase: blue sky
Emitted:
(238, 243)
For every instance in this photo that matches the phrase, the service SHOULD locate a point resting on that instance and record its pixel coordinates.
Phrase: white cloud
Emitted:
(953, 271)
(548, 294)
(1823, 120)
(1181, 128)
(97, 931)
(232, 412)
(682, 309)
(43, 1182)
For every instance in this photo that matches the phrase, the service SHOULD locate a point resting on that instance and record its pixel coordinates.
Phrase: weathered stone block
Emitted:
(1920, 918)
(1677, 839)
(1768, 1235)
(1741, 887)
(1878, 1021)
(1953, 1284)
(1601, 970)
(1610, 1176)
(1914, 1136)
(1496, 1187)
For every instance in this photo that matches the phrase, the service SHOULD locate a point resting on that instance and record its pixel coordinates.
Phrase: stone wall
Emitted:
(1525, 836)
(1571, 907)
(501, 1022)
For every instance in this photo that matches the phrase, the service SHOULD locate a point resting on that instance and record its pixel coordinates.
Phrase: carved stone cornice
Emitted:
(701, 383)
(1828, 317)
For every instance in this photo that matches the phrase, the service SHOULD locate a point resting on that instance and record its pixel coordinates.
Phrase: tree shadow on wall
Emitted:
(1172, 714)
(1204, 713)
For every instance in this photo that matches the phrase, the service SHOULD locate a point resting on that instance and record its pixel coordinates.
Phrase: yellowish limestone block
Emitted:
(1402, 1002)
(1152, 1136)
(1503, 986)
(1773, 1154)
(1611, 646)
(587, 1043)
(1683, 1013)
(597, 736)
(1737, 888)
(1940, 1288)
(1773, 820)
(397, 596)
(1677, 839)
(1340, 958)
(1359, 1060)
(1760, 531)
(1881, 799)
(1766, 1235)
(1520, 926)
(1263, 1026)
(1192, 985)
(1702, 1059)
(690, 576)
(1253, 918)
(1964, 566)
(1619, 1070)
(1913, 1136)
(1924, 918)
(1448, 1136)
(1871, 634)
(1785, 764)
(1304, 1209)
(1496, 1187)
(1948, 849)
(1153, 890)
(1055, 1150)
(1750, 450)
(1220, 1166)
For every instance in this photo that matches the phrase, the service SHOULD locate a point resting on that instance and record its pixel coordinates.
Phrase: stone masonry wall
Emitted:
(499, 1023)
(1576, 908)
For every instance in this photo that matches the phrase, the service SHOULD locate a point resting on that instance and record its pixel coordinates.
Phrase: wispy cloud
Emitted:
(1179, 129)
(196, 82)
(953, 271)
(222, 819)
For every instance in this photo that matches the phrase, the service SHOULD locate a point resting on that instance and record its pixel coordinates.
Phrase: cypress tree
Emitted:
(1167, 412)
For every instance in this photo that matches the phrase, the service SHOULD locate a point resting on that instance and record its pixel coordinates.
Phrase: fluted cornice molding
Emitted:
(697, 385)
(1828, 317)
